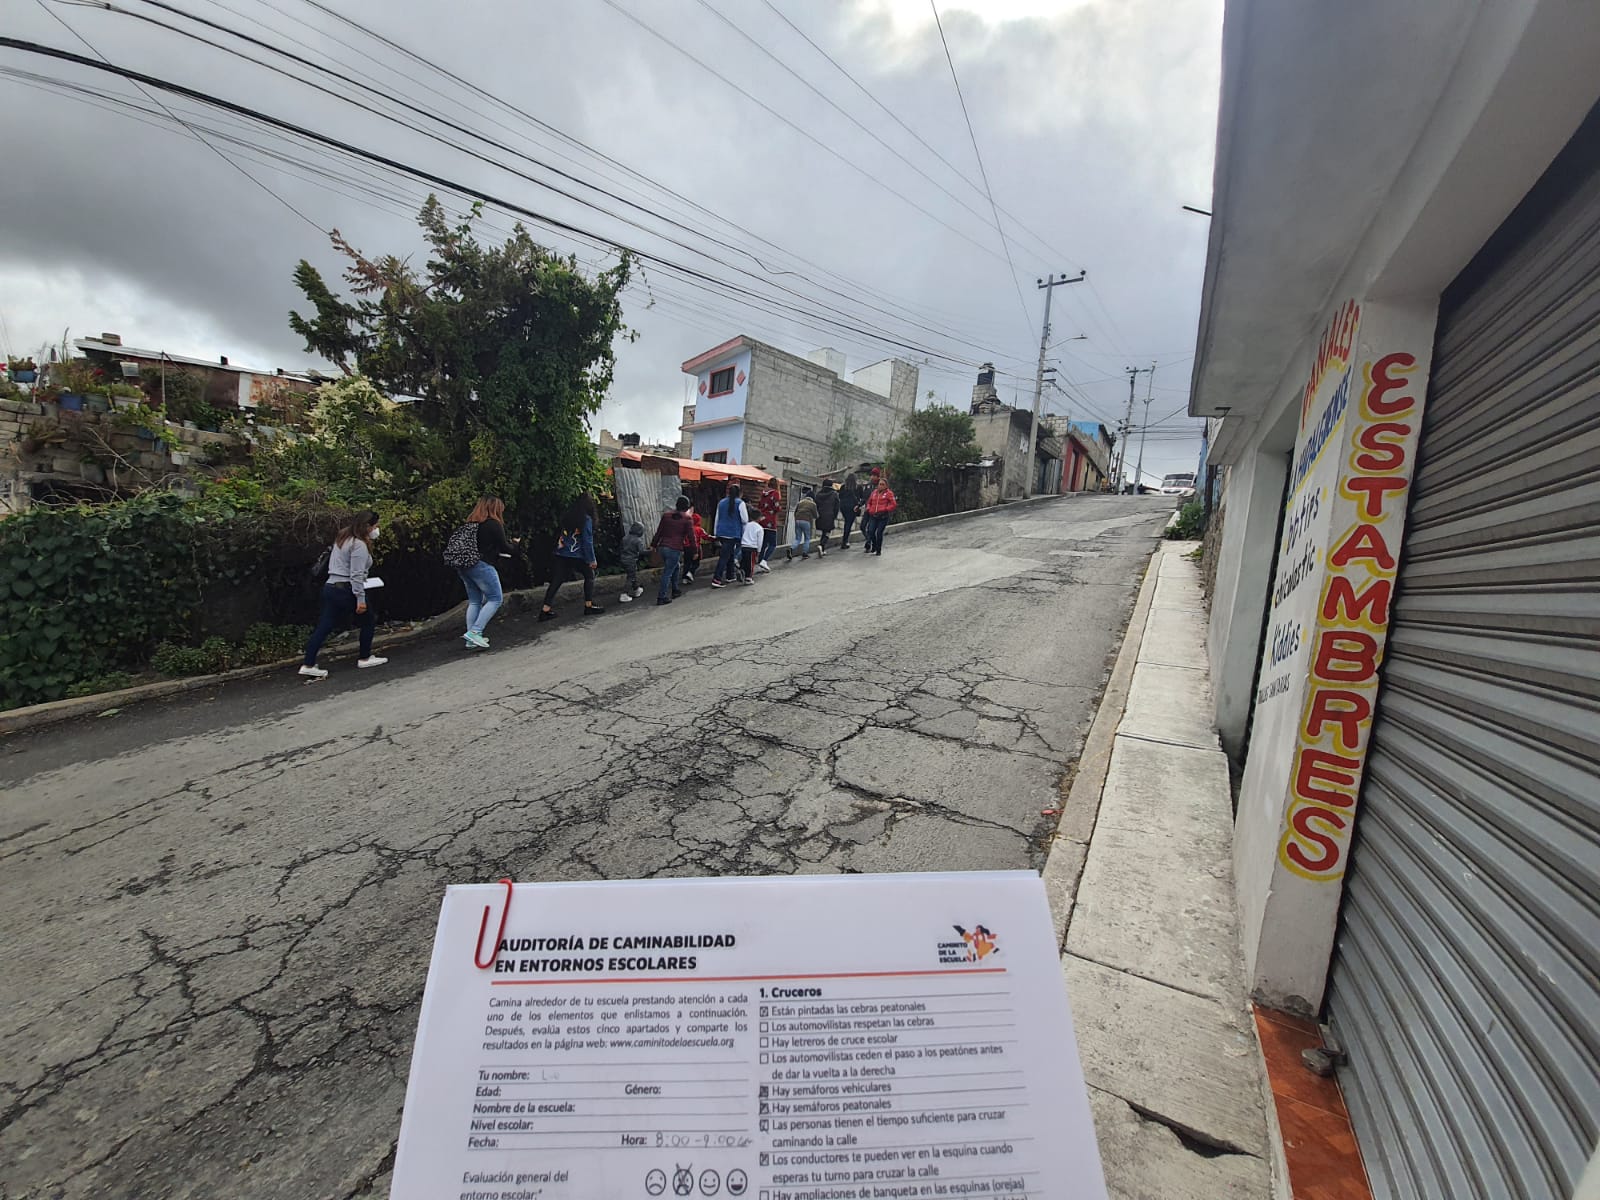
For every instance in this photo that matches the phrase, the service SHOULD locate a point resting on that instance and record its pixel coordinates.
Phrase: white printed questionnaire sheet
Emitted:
(848, 1037)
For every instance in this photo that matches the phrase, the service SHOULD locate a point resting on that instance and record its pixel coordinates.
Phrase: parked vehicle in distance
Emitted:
(1180, 484)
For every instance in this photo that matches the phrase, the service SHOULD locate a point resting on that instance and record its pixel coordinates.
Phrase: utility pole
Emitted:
(1049, 285)
(1144, 430)
(1126, 429)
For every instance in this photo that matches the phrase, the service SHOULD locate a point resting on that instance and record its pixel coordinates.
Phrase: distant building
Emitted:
(224, 385)
(756, 403)
(1086, 452)
(1003, 432)
(610, 445)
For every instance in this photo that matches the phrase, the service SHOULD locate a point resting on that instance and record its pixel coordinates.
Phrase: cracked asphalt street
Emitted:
(217, 913)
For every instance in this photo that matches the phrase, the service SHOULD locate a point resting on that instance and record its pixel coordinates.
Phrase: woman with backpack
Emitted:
(473, 550)
(574, 556)
(344, 595)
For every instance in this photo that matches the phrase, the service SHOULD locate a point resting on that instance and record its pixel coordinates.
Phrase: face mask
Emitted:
(374, 534)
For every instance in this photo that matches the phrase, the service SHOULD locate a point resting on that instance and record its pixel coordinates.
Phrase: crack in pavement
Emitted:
(216, 942)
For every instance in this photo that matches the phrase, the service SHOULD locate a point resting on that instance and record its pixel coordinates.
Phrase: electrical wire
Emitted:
(62, 21)
(803, 132)
(976, 153)
(1050, 250)
(492, 162)
(440, 181)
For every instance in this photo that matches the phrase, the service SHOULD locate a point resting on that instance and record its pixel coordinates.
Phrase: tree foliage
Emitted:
(507, 350)
(936, 440)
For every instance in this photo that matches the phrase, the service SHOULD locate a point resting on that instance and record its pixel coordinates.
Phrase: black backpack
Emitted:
(461, 551)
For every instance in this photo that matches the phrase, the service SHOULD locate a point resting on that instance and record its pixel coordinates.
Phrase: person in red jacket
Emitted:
(691, 553)
(674, 536)
(769, 512)
(880, 506)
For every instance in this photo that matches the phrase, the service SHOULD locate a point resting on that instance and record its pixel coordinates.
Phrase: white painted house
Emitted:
(1400, 350)
(755, 402)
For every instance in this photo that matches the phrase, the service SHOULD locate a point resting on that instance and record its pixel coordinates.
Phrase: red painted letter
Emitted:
(1385, 456)
(1329, 845)
(1345, 656)
(1364, 541)
(1372, 489)
(1317, 767)
(1382, 385)
(1344, 601)
(1332, 706)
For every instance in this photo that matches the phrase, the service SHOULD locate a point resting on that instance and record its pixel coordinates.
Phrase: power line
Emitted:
(440, 181)
(60, 20)
(805, 133)
(895, 117)
(982, 172)
(455, 127)
(601, 156)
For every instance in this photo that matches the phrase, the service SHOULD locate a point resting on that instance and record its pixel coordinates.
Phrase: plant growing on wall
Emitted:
(845, 448)
(507, 348)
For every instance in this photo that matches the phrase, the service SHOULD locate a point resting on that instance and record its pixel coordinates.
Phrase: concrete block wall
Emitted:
(795, 407)
(81, 458)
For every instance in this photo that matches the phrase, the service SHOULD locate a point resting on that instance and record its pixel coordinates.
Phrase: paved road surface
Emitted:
(216, 914)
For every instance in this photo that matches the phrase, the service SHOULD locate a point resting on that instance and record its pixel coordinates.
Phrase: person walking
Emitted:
(474, 550)
(880, 507)
(769, 509)
(676, 536)
(574, 556)
(732, 515)
(850, 500)
(805, 519)
(344, 595)
(750, 549)
(827, 515)
(691, 556)
(632, 548)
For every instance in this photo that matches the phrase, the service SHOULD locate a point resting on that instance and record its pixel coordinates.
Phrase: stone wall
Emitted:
(46, 451)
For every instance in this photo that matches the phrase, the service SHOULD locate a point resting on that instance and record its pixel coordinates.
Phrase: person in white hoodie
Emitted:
(750, 548)
(344, 595)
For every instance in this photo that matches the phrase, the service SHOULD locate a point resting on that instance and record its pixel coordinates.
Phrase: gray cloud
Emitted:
(1095, 122)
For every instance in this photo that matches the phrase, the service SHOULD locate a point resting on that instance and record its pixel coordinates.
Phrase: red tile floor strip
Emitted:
(1318, 1143)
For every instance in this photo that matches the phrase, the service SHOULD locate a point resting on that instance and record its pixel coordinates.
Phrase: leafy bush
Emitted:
(1191, 523)
(265, 643)
(115, 681)
(208, 658)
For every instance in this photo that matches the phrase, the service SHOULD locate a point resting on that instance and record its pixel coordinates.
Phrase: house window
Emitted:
(722, 381)
(720, 456)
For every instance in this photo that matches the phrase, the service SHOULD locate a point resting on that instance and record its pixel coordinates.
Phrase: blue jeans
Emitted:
(669, 572)
(849, 524)
(802, 537)
(339, 610)
(769, 543)
(729, 550)
(483, 594)
(872, 527)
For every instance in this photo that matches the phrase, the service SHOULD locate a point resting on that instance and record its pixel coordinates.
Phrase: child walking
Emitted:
(750, 549)
(632, 548)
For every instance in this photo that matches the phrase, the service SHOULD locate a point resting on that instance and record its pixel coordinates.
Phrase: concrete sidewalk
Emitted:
(1141, 881)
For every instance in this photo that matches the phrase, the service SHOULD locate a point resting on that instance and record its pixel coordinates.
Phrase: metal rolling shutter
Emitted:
(1466, 978)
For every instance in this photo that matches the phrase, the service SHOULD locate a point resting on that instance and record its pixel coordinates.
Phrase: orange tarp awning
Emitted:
(692, 469)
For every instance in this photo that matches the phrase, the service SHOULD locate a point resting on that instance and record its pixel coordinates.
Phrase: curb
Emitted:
(35, 716)
(1069, 847)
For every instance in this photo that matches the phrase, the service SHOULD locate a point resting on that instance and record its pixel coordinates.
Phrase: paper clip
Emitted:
(494, 946)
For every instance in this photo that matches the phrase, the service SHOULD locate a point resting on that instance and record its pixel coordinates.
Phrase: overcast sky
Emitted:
(1095, 120)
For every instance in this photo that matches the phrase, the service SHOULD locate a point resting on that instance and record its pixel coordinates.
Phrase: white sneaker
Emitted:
(625, 598)
(374, 661)
(313, 672)
(637, 592)
(763, 569)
